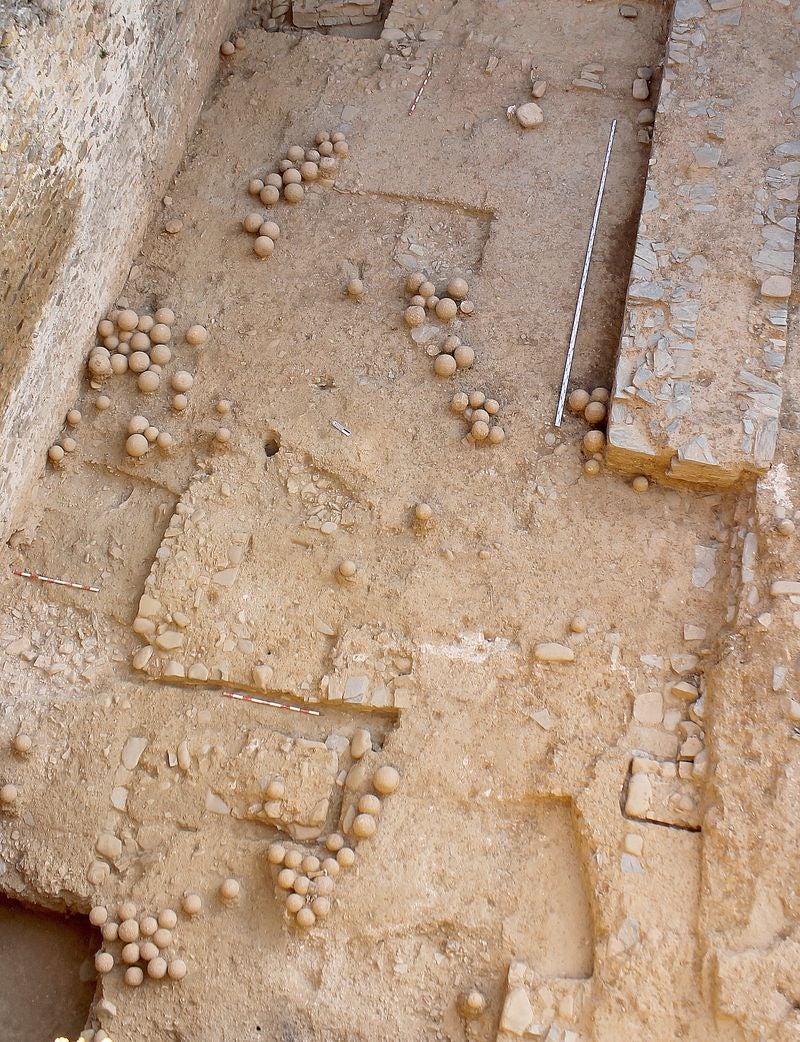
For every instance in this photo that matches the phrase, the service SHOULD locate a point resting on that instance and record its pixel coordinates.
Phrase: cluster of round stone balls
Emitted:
(592, 408)
(142, 435)
(142, 943)
(266, 234)
(308, 880)
(66, 443)
(301, 166)
(480, 412)
(448, 304)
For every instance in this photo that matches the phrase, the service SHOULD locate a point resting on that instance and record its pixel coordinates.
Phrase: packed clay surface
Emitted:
(369, 704)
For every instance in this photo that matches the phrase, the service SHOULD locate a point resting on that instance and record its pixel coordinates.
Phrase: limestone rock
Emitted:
(648, 708)
(517, 1012)
(529, 115)
(108, 845)
(551, 652)
(777, 286)
(640, 795)
(132, 751)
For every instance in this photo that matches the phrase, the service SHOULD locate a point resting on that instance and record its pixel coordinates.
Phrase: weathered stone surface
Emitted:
(529, 115)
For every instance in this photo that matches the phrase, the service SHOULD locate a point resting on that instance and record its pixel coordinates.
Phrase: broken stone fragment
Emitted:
(517, 1012)
(538, 89)
(683, 689)
(648, 708)
(149, 607)
(360, 743)
(641, 89)
(640, 795)
(174, 668)
(109, 846)
(552, 652)
(197, 671)
(261, 676)
(529, 115)
(170, 640)
(142, 657)
(132, 751)
(785, 588)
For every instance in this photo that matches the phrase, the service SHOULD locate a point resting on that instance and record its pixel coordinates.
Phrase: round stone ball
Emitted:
(69, 444)
(148, 926)
(476, 399)
(457, 289)
(192, 904)
(386, 780)
(98, 915)
(162, 938)
(180, 402)
(270, 229)
(292, 177)
(593, 441)
(331, 867)
(161, 333)
(255, 185)
(110, 931)
(227, 49)
(474, 1003)
(104, 962)
(334, 842)
(467, 307)
(293, 859)
(301, 884)
(446, 309)
(293, 193)
(222, 436)
(111, 343)
(594, 413)
(196, 335)
(127, 320)
(148, 951)
(426, 289)
(369, 804)
(339, 135)
(252, 222)
(105, 328)
(414, 281)
(306, 918)
(295, 154)
(138, 424)
(363, 826)
(320, 136)
(423, 511)
(355, 288)
(310, 864)
(126, 910)
(263, 246)
(341, 149)
(275, 180)
(102, 403)
(286, 878)
(444, 365)
(591, 468)
(130, 953)
(459, 402)
(125, 336)
(312, 155)
(119, 364)
(325, 148)
(346, 857)
(229, 889)
(181, 381)
(223, 407)
(138, 362)
(269, 195)
(414, 316)
(140, 342)
(496, 435)
(640, 483)
(129, 930)
(491, 406)
(148, 383)
(479, 430)
(165, 316)
(577, 401)
(785, 526)
(136, 445)
(347, 569)
(578, 624)
(601, 394)
(157, 968)
(160, 354)
(309, 171)
(134, 975)
(450, 343)
(431, 302)
(321, 907)
(176, 969)
(294, 902)
(276, 852)
(464, 356)
(73, 417)
(22, 744)
(55, 454)
(145, 323)
(99, 366)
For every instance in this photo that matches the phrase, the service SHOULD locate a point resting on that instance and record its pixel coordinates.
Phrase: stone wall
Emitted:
(97, 104)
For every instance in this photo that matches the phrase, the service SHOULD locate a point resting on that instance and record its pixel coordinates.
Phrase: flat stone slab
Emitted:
(698, 383)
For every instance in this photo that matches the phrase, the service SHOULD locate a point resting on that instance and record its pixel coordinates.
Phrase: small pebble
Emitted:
(102, 402)
(591, 468)
(172, 227)
(55, 454)
(423, 512)
(229, 890)
(355, 289)
(785, 526)
(347, 569)
(577, 624)
(640, 483)
(223, 407)
(22, 744)
(466, 307)
(227, 49)
(192, 904)
(222, 436)
(74, 417)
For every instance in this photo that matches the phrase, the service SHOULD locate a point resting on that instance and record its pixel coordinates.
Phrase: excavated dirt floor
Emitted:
(509, 837)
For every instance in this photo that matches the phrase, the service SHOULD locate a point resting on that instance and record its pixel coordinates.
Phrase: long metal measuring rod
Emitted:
(584, 277)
